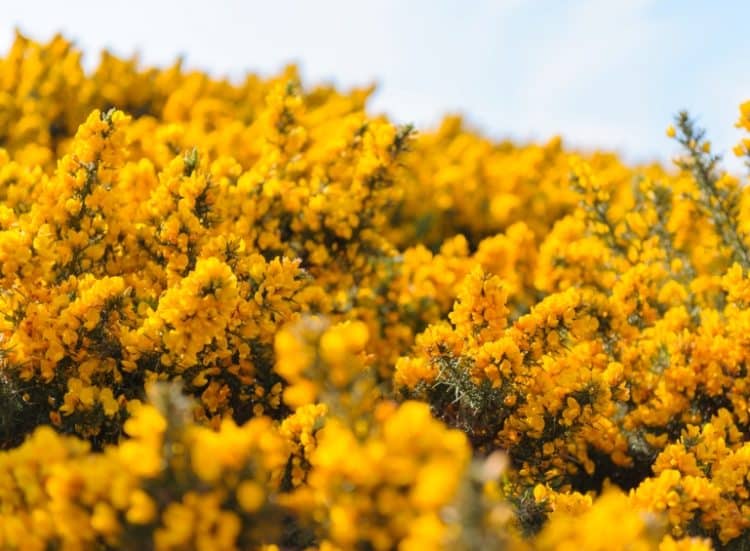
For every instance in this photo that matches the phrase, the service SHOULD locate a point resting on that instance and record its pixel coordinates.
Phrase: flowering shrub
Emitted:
(250, 315)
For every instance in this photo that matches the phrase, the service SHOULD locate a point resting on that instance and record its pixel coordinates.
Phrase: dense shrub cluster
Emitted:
(250, 315)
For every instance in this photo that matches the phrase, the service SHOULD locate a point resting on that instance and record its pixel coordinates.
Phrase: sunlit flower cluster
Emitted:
(250, 315)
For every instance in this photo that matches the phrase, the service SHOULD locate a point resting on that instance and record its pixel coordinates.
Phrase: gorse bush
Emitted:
(250, 315)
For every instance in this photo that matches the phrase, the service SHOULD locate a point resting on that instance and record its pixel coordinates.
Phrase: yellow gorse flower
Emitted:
(251, 315)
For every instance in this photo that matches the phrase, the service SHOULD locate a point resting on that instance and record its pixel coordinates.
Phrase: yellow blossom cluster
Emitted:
(173, 484)
(634, 353)
(596, 529)
(250, 315)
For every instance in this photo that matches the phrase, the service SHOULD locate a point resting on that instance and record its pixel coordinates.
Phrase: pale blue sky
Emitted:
(603, 73)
